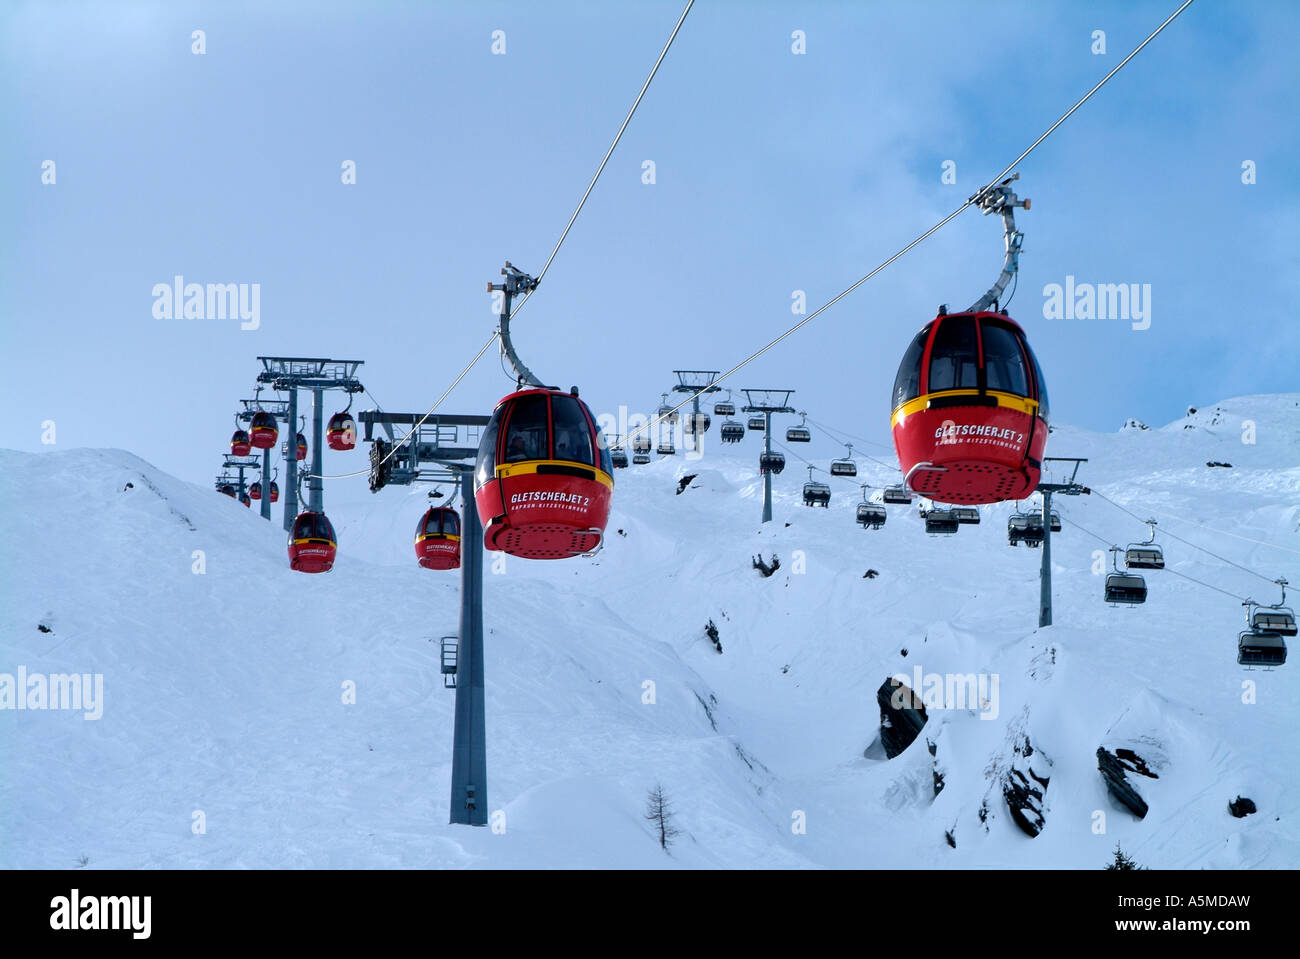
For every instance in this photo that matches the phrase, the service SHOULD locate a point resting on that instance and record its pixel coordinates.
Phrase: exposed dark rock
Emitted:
(685, 481)
(952, 840)
(1115, 771)
(870, 574)
(1023, 788)
(128, 486)
(43, 628)
(712, 632)
(1217, 463)
(1134, 763)
(1241, 807)
(708, 709)
(767, 569)
(901, 716)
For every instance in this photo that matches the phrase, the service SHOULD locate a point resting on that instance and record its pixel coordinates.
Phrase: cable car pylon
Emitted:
(1068, 488)
(763, 403)
(401, 462)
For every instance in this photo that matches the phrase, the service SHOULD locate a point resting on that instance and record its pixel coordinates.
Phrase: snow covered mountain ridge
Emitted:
(251, 716)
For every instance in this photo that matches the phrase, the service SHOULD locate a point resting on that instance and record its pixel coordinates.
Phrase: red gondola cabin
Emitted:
(437, 539)
(262, 430)
(341, 434)
(544, 480)
(970, 410)
(275, 491)
(312, 544)
(302, 447)
(255, 491)
(240, 445)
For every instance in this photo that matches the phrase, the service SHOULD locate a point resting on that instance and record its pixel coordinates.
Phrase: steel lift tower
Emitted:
(444, 448)
(291, 374)
(767, 402)
(239, 463)
(697, 383)
(1068, 488)
(279, 409)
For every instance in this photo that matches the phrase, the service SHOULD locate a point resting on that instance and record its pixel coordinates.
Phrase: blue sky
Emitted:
(774, 172)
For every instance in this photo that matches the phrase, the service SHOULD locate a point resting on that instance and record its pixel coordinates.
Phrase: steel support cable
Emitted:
(1165, 569)
(942, 223)
(1222, 559)
(567, 227)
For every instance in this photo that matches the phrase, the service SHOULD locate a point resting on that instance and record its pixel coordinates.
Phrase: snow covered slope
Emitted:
(224, 691)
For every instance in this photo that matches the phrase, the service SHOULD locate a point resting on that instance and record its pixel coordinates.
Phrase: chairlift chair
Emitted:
(1034, 531)
(1127, 589)
(725, 407)
(771, 462)
(967, 515)
(732, 432)
(667, 413)
(1017, 528)
(897, 496)
(757, 423)
(800, 433)
(871, 515)
(816, 493)
(1275, 618)
(696, 424)
(845, 466)
(1145, 555)
(941, 522)
(1260, 648)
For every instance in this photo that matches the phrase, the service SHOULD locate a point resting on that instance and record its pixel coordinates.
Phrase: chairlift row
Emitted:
(262, 434)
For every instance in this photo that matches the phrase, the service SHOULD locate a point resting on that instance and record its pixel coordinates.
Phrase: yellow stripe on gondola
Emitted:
(530, 466)
(1008, 400)
(447, 536)
(323, 542)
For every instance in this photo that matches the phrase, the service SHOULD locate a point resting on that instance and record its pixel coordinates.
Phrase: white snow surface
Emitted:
(223, 691)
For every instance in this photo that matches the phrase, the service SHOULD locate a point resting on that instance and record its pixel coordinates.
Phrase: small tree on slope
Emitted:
(659, 814)
(1123, 862)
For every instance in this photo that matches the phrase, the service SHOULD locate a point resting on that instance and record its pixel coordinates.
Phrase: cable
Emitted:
(1221, 559)
(608, 153)
(1243, 599)
(421, 421)
(833, 434)
(568, 226)
(1224, 532)
(1166, 569)
(951, 216)
(1084, 529)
